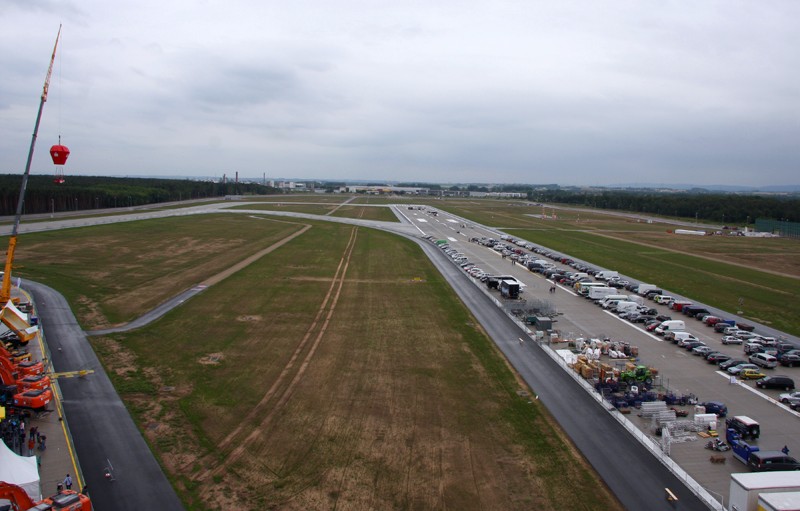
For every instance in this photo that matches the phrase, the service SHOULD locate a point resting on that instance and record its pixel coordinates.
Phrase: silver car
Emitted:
(764, 360)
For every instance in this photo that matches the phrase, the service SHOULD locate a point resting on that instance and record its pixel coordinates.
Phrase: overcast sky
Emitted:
(567, 92)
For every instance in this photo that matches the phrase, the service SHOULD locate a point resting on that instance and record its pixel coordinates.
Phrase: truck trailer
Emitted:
(509, 289)
(746, 487)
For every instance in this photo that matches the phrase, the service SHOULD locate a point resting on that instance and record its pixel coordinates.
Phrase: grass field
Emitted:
(339, 371)
(113, 273)
(367, 213)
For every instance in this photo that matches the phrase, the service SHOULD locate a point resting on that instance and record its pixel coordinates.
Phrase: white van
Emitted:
(611, 298)
(662, 299)
(675, 325)
(605, 275)
(624, 306)
(678, 336)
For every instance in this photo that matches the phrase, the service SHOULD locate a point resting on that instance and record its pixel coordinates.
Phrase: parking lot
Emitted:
(679, 371)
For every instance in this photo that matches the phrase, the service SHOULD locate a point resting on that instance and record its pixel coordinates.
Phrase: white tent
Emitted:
(20, 470)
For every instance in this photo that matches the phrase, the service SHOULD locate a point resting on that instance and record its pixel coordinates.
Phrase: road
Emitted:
(103, 429)
(103, 432)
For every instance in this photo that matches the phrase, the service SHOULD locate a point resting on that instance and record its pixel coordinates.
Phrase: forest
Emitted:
(725, 208)
(97, 192)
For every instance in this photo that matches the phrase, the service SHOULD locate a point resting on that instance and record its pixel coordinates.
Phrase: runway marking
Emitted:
(451, 220)
(421, 220)
(757, 392)
(451, 239)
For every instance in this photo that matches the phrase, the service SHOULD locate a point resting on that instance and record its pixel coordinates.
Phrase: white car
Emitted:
(790, 398)
(730, 339)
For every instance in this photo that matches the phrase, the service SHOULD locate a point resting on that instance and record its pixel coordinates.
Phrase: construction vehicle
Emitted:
(33, 399)
(24, 368)
(22, 331)
(15, 356)
(67, 500)
(32, 382)
(639, 374)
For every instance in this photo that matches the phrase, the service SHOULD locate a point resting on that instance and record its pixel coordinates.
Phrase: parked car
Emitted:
(730, 339)
(751, 374)
(764, 360)
(690, 345)
(735, 370)
(716, 407)
(752, 347)
(717, 357)
(732, 363)
(762, 461)
(701, 350)
(790, 360)
(746, 427)
(777, 381)
(789, 398)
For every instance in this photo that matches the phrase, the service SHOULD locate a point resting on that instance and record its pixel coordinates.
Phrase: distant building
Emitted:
(382, 190)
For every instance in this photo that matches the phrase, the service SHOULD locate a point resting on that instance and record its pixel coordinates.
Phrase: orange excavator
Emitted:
(66, 500)
(24, 385)
(38, 382)
(14, 355)
(24, 368)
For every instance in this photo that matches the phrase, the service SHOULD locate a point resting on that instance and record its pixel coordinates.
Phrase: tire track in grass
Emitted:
(243, 445)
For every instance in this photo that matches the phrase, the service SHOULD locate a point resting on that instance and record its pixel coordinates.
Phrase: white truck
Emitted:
(746, 487)
(643, 289)
(606, 274)
(600, 292)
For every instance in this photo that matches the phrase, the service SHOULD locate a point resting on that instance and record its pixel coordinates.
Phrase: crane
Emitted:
(5, 289)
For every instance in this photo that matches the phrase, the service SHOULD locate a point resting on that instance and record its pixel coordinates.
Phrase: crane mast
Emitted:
(5, 290)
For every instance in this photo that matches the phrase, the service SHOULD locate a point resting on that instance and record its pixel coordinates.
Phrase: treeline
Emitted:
(90, 192)
(725, 208)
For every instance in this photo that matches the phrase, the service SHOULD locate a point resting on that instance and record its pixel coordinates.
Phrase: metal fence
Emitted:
(779, 227)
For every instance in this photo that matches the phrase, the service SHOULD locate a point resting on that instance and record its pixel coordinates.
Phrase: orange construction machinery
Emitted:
(21, 369)
(24, 384)
(66, 500)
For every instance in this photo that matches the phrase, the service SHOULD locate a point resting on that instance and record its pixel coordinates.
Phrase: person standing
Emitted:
(31, 445)
(68, 482)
